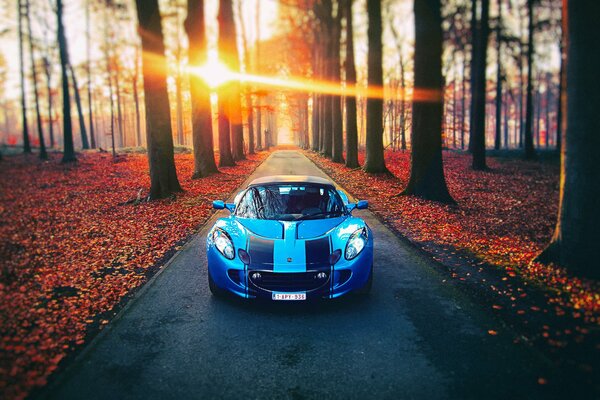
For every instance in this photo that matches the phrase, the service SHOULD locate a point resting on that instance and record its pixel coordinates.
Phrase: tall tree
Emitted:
(479, 89)
(498, 77)
(136, 97)
(82, 129)
(232, 58)
(247, 91)
(351, 124)
(529, 149)
(226, 44)
(257, 70)
(202, 130)
(374, 161)
(88, 48)
(337, 129)
(574, 244)
(178, 76)
(474, 32)
(36, 97)
(26, 144)
(163, 176)
(49, 94)
(427, 173)
(107, 58)
(69, 148)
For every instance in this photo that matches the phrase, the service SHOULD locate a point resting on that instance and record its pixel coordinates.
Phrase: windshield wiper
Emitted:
(319, 214)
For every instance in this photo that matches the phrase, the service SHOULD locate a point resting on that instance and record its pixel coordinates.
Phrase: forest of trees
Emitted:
(472, 75)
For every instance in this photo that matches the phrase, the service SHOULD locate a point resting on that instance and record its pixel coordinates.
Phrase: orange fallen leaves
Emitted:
(505, 216)
(70, 251)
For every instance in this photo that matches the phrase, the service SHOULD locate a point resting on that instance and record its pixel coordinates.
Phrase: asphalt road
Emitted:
(415, 337)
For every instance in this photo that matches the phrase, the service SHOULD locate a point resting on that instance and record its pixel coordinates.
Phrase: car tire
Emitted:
(214, 289)
(365, 290)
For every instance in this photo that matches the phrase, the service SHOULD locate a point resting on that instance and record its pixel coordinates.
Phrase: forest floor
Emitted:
(488, 241)
(75, 245)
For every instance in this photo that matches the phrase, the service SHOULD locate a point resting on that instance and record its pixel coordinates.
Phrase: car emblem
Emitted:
(289, 259)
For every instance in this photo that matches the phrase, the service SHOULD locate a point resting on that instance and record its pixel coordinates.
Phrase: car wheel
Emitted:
(365, 290)
(214, 289)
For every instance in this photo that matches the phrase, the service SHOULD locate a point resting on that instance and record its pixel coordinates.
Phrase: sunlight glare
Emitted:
(213, 72)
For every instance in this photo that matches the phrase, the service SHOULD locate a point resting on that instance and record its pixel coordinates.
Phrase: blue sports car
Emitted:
(290, 238)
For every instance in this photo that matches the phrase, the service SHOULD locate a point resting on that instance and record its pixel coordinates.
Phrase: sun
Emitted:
(213, 72)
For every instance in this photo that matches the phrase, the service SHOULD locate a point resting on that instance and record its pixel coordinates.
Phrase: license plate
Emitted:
(288, 296)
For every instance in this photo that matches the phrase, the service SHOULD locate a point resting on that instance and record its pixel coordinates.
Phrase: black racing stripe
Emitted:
(261, 253)
(317, 252)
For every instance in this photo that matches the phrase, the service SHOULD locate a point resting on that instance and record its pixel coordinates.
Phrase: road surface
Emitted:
(415, 337)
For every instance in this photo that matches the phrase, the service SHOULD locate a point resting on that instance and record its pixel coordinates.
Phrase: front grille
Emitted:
(288, 281)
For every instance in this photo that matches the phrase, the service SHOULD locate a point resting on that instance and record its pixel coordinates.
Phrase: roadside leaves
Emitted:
(73, 246)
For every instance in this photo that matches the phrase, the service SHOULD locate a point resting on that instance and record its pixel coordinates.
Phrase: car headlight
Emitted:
(356, 243)
(223, 243)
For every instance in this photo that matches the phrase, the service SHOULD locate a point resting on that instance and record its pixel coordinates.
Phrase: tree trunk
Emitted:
(178, 76)
(48, 74)
(427, 173)
(257, 69)
(246, 89)
(136, 99)
(375, 162)
(454, 106)
(69, 149)
(328, 102)
(537, 105)
(110, 85)
(89, 73)
(202, 127)
(351, 123)
(314, 146)
(163, 176)
(117, 68)
(403, 104)
(479, 92)
(474, 47)
(506, 115)
(26, 144)
(38, 114)
(561, 83)
(498, 78)
(337, 130)
(226, 92)
(82, 130)
(306, 145)
(463, 106)
(548, 101)
(179, 107)
(576, 237)
(529, 149)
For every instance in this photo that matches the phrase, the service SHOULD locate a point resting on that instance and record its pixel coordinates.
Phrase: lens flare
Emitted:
(214, 73)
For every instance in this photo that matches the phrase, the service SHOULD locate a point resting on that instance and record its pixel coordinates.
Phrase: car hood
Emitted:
(300, 229)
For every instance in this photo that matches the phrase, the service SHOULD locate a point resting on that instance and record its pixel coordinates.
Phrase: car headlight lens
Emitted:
(356, 243)
(223, 243)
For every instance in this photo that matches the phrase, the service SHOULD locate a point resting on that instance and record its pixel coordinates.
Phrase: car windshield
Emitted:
(290, 202)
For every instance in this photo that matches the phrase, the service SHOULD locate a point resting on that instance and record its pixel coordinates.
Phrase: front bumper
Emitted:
(323, 282)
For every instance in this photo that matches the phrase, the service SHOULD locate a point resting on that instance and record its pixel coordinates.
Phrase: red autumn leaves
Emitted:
(71, 249)
(505, 216)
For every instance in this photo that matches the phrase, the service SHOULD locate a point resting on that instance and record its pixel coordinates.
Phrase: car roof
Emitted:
(275, 179)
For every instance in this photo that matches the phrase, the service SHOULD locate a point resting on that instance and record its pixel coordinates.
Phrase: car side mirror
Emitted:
(361, 205)
(220, 205)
